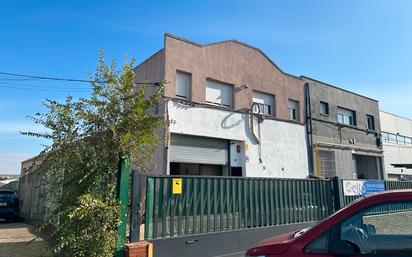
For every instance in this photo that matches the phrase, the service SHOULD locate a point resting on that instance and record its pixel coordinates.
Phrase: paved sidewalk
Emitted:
(20, 239)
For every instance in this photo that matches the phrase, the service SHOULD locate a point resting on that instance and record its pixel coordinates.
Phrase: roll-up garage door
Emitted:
(202, 150)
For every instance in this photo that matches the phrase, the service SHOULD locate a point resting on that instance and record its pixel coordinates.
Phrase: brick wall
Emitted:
(139, 249)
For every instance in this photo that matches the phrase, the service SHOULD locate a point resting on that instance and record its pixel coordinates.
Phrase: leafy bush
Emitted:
(89, 228)
(80, 166)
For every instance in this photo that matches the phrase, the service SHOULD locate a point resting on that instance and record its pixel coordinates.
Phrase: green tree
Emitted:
(80, 165)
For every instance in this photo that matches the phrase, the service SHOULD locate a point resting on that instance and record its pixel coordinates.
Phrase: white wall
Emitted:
(394, 153)
(283, 144)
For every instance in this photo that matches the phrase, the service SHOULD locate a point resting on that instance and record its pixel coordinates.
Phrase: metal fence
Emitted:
(214, 204)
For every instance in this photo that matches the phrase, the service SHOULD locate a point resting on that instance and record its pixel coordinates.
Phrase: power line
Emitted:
(57, 86)
(66, 79)
(45, 78)
(44, 89)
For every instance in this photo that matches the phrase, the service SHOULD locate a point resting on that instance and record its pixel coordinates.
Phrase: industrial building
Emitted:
(230, 111)
(343, 132)
(397, 146)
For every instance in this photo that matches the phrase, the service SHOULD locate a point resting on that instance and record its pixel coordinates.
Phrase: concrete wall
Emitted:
(395, 153)
(283, 144)
(338, 97)
(234, 63)
(32, 190)
(325, 129)
(153, 70)
(231, 62)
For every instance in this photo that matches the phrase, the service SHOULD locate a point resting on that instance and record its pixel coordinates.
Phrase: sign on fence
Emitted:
(362, 187)
(177, 186)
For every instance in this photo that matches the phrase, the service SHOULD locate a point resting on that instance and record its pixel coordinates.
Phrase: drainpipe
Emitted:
(309, 128)
(317, 159)
(257, 138)
(252, 115)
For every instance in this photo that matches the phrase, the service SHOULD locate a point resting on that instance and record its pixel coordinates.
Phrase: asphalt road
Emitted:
(20, 239)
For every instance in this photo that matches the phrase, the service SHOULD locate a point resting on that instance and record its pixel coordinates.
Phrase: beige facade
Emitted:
(244, 68)
(397, 146)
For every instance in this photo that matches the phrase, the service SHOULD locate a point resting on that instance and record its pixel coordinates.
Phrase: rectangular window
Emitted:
(346, 116)
(392, 138)
(385, 136)
(293, 110)
(263, 103)
(408, 140)
(327, 164)
(400, 139)
(324, 108)
(183, 81)
(218, 93)
(387, 225)
(370, 122)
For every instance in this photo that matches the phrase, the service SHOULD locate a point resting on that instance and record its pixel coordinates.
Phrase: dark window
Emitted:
(319, 245)
(324, 108)
(381, 230)
(371, 122)
(293, 110)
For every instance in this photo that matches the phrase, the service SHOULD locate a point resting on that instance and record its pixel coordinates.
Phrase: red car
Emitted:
(375, 225)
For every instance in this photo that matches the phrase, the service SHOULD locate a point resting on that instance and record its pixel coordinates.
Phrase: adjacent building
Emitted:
(32, 191)
(397, 146)
(230, 111)
(343, 132)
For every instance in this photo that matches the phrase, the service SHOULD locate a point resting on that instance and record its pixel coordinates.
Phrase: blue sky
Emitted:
(363, 46)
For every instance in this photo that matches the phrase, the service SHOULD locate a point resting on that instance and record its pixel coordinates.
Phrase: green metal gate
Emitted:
(215, 204)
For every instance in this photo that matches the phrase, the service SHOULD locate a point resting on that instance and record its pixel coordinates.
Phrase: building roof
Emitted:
(395, 115)
(235, 42)
(339, 88)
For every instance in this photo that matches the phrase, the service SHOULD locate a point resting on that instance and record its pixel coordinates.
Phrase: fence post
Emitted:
(123, 197)
(337, 193)
(135, 217)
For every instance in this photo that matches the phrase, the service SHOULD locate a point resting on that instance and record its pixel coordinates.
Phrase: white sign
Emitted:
(362, 187)
(353, 187)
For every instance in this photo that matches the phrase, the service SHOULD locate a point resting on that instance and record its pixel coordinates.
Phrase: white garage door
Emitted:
(201, 150)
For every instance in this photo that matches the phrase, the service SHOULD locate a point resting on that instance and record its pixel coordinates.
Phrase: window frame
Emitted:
(271, 107)
(335, 230)
(189, 96)
(393, 138)
(351, 118)
(401, 140)
(231, 97)
(385, 136)
(295, 115)
(371, 126)
(326, 105)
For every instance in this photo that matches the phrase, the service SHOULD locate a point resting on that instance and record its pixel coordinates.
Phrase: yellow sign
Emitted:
(246, 147)
(177, 186)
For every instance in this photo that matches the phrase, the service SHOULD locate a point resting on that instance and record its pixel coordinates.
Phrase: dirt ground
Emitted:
(22, 240)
